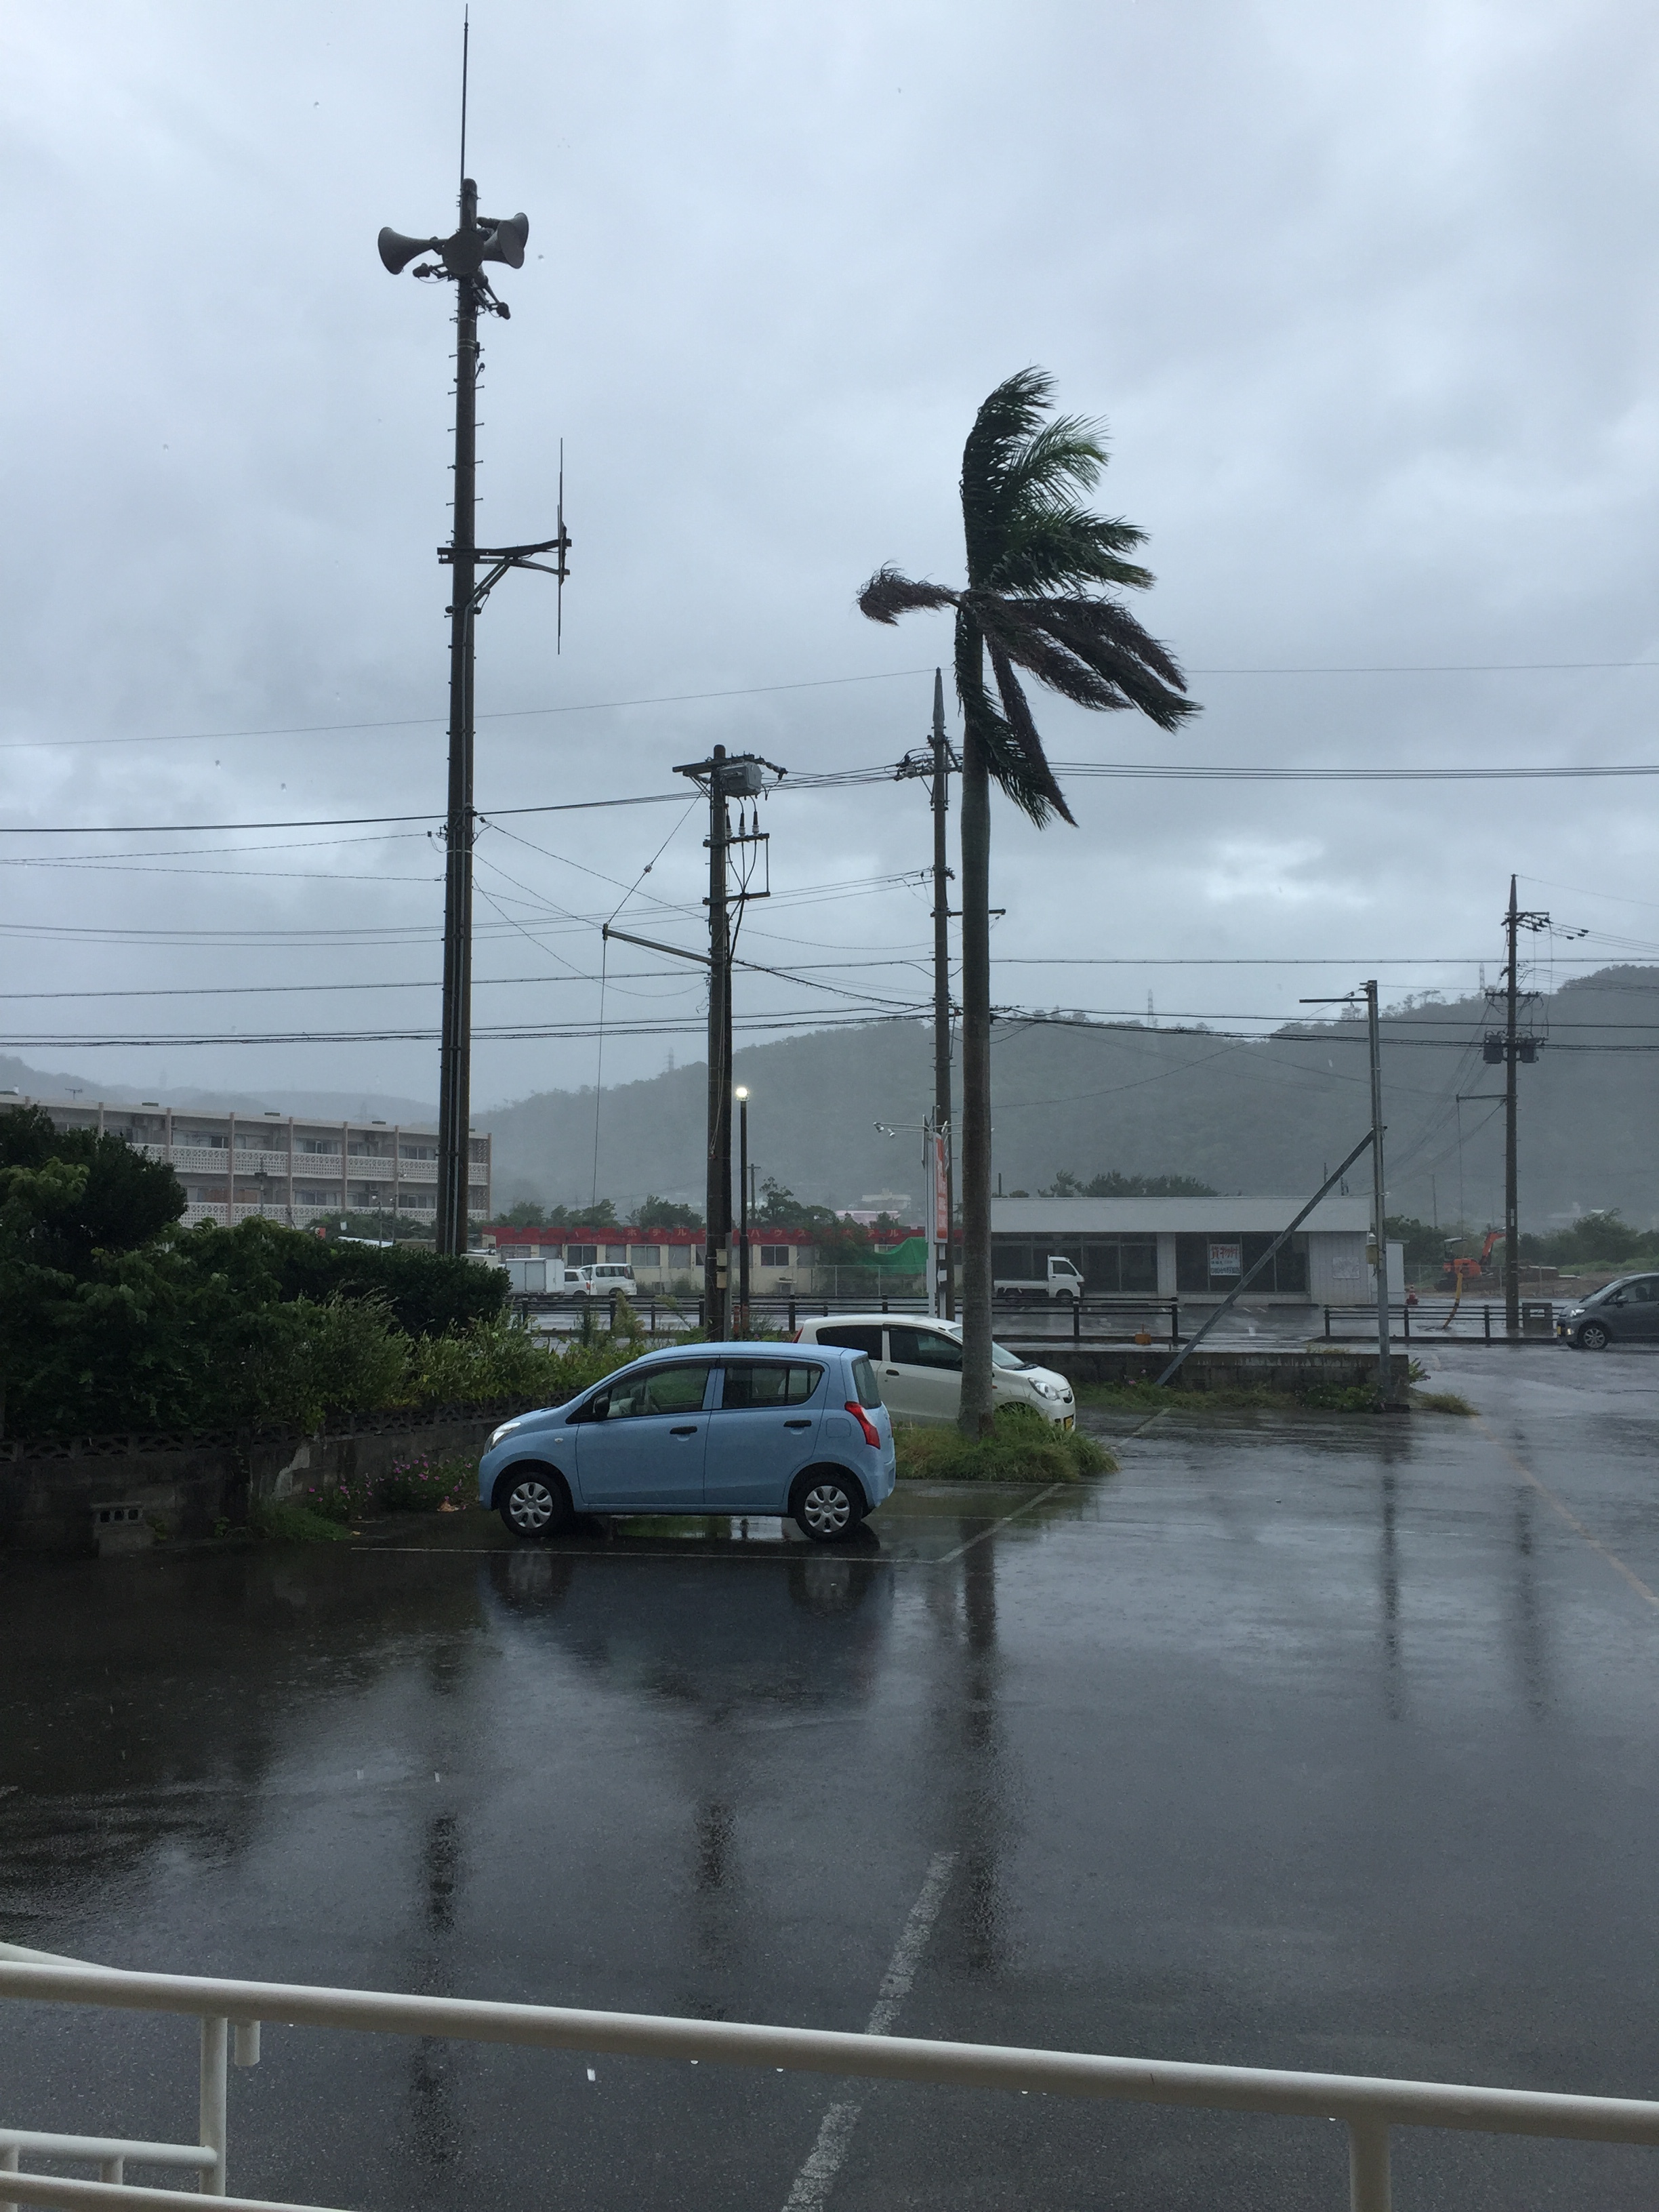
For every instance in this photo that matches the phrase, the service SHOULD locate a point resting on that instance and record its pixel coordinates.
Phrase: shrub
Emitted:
(424, 1484)
(306, 1360)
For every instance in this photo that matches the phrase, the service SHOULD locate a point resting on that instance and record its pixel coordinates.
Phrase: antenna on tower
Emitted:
(466, 33)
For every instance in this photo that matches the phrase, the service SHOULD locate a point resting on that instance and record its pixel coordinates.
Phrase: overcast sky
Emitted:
(1366, 297)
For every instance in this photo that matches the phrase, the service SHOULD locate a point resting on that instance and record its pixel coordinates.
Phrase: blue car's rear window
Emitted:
(865, 1385)
(768, 1383)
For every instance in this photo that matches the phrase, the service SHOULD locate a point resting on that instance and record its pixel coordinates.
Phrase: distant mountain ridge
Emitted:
(323, 1105)
(1255, 1116)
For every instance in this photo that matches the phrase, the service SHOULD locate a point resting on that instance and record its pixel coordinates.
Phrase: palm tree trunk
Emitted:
(977, 1405)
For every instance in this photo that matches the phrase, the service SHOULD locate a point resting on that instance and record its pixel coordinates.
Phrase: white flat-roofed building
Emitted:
(1189, 1247)
(287, 1167)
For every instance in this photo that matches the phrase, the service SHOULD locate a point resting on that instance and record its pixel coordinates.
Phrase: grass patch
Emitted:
(278, 1522)
(1022, 1448)
(1440, 1401)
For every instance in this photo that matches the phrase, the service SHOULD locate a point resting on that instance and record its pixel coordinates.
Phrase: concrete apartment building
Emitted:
(290, 1168)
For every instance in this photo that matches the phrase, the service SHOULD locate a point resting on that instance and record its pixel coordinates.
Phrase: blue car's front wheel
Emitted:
(533, 1501)
(826, 1504)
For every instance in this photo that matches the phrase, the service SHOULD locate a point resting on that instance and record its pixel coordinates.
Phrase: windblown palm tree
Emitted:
(1036, 563)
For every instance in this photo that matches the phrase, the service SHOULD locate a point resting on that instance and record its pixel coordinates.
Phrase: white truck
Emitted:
(1060, 1284)
(528, 1277)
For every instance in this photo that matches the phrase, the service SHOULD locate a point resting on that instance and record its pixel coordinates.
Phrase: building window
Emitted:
(1216, 1264)
(580, 1255)
(615, 1251)
(774, 1255)
(648, 1255)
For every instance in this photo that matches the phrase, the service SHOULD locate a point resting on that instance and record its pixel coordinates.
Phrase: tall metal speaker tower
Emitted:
(461, 258)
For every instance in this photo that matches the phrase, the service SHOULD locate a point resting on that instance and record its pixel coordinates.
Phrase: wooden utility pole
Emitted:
(1379, 1200)
(1511, 1046)
(717, 1248)
(723, 777)
(1511, 1195)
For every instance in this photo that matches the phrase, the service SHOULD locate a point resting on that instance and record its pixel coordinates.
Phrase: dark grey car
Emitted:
(1624, 1312)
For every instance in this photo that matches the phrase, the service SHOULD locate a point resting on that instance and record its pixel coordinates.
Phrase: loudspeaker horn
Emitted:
(397, 252)
(506, 241)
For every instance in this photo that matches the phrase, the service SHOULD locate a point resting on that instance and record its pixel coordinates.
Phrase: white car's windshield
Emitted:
(1000, 1355)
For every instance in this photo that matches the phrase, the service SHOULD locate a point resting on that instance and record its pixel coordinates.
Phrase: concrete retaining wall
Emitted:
(49, 1487)
(1291, 1370)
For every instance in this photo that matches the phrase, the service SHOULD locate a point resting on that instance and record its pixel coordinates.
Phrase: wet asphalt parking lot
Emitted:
(1321, 1741)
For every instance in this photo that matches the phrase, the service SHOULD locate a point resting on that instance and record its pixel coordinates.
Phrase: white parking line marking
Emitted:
(946, 1560)
(828, 2154)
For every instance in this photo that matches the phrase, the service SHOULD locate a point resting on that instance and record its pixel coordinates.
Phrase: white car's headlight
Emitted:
(1048, 1389)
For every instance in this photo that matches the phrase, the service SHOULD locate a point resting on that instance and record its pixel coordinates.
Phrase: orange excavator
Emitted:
(1463, 1273)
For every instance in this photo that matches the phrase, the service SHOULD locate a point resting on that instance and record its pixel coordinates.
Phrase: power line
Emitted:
(807, 684)
(437, 722)
(325, 822)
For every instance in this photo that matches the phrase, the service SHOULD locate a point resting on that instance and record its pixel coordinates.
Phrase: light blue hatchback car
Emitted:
(709, 1428)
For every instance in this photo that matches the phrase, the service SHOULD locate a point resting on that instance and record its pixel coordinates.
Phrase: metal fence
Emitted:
(1116, 1320)
(230, 2013)
(1438, 1320)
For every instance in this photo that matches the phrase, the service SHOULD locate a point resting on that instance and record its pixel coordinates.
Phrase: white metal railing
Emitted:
(1368, 2106)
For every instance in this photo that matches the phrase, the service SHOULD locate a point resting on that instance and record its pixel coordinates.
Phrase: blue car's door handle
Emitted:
(683, 1432)
(798, 1425)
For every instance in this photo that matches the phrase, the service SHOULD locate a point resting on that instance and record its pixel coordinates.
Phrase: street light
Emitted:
(937, 1277)
(742, 1097)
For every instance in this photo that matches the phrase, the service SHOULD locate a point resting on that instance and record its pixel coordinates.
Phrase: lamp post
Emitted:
(937, 1282)
(742, 1096)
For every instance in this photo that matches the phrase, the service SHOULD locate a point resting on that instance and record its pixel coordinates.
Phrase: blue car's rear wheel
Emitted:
(533, 1501)
(826, 1504)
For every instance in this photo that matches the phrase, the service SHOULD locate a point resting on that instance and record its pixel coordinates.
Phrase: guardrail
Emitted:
(1368, 2106)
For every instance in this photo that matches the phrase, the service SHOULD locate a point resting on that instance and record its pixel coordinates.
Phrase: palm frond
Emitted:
(1108, 639)
(890, 594)
(1005, 747)
(1063, 453)
(1008, 419)
(1063, 548)
(1024, 639)
(1034, 789)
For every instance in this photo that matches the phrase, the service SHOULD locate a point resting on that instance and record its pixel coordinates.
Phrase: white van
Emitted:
(599, 1280)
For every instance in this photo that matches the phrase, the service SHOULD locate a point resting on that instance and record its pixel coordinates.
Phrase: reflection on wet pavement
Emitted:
(1312, 1740)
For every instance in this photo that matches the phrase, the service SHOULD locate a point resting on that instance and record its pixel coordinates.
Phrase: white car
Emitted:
(920, 1363)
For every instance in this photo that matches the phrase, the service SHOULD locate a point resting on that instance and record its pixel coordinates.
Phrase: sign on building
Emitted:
(1226, 1258)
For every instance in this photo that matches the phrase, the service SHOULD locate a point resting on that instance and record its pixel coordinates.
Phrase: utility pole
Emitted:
(938, 763)
(1512, 1190)
(1379, 1202)
(743, 1209)
(1511, 1046)
(723, 778)
(460, 261)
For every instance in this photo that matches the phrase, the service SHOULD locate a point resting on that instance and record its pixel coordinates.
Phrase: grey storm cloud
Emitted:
(1364, 296)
